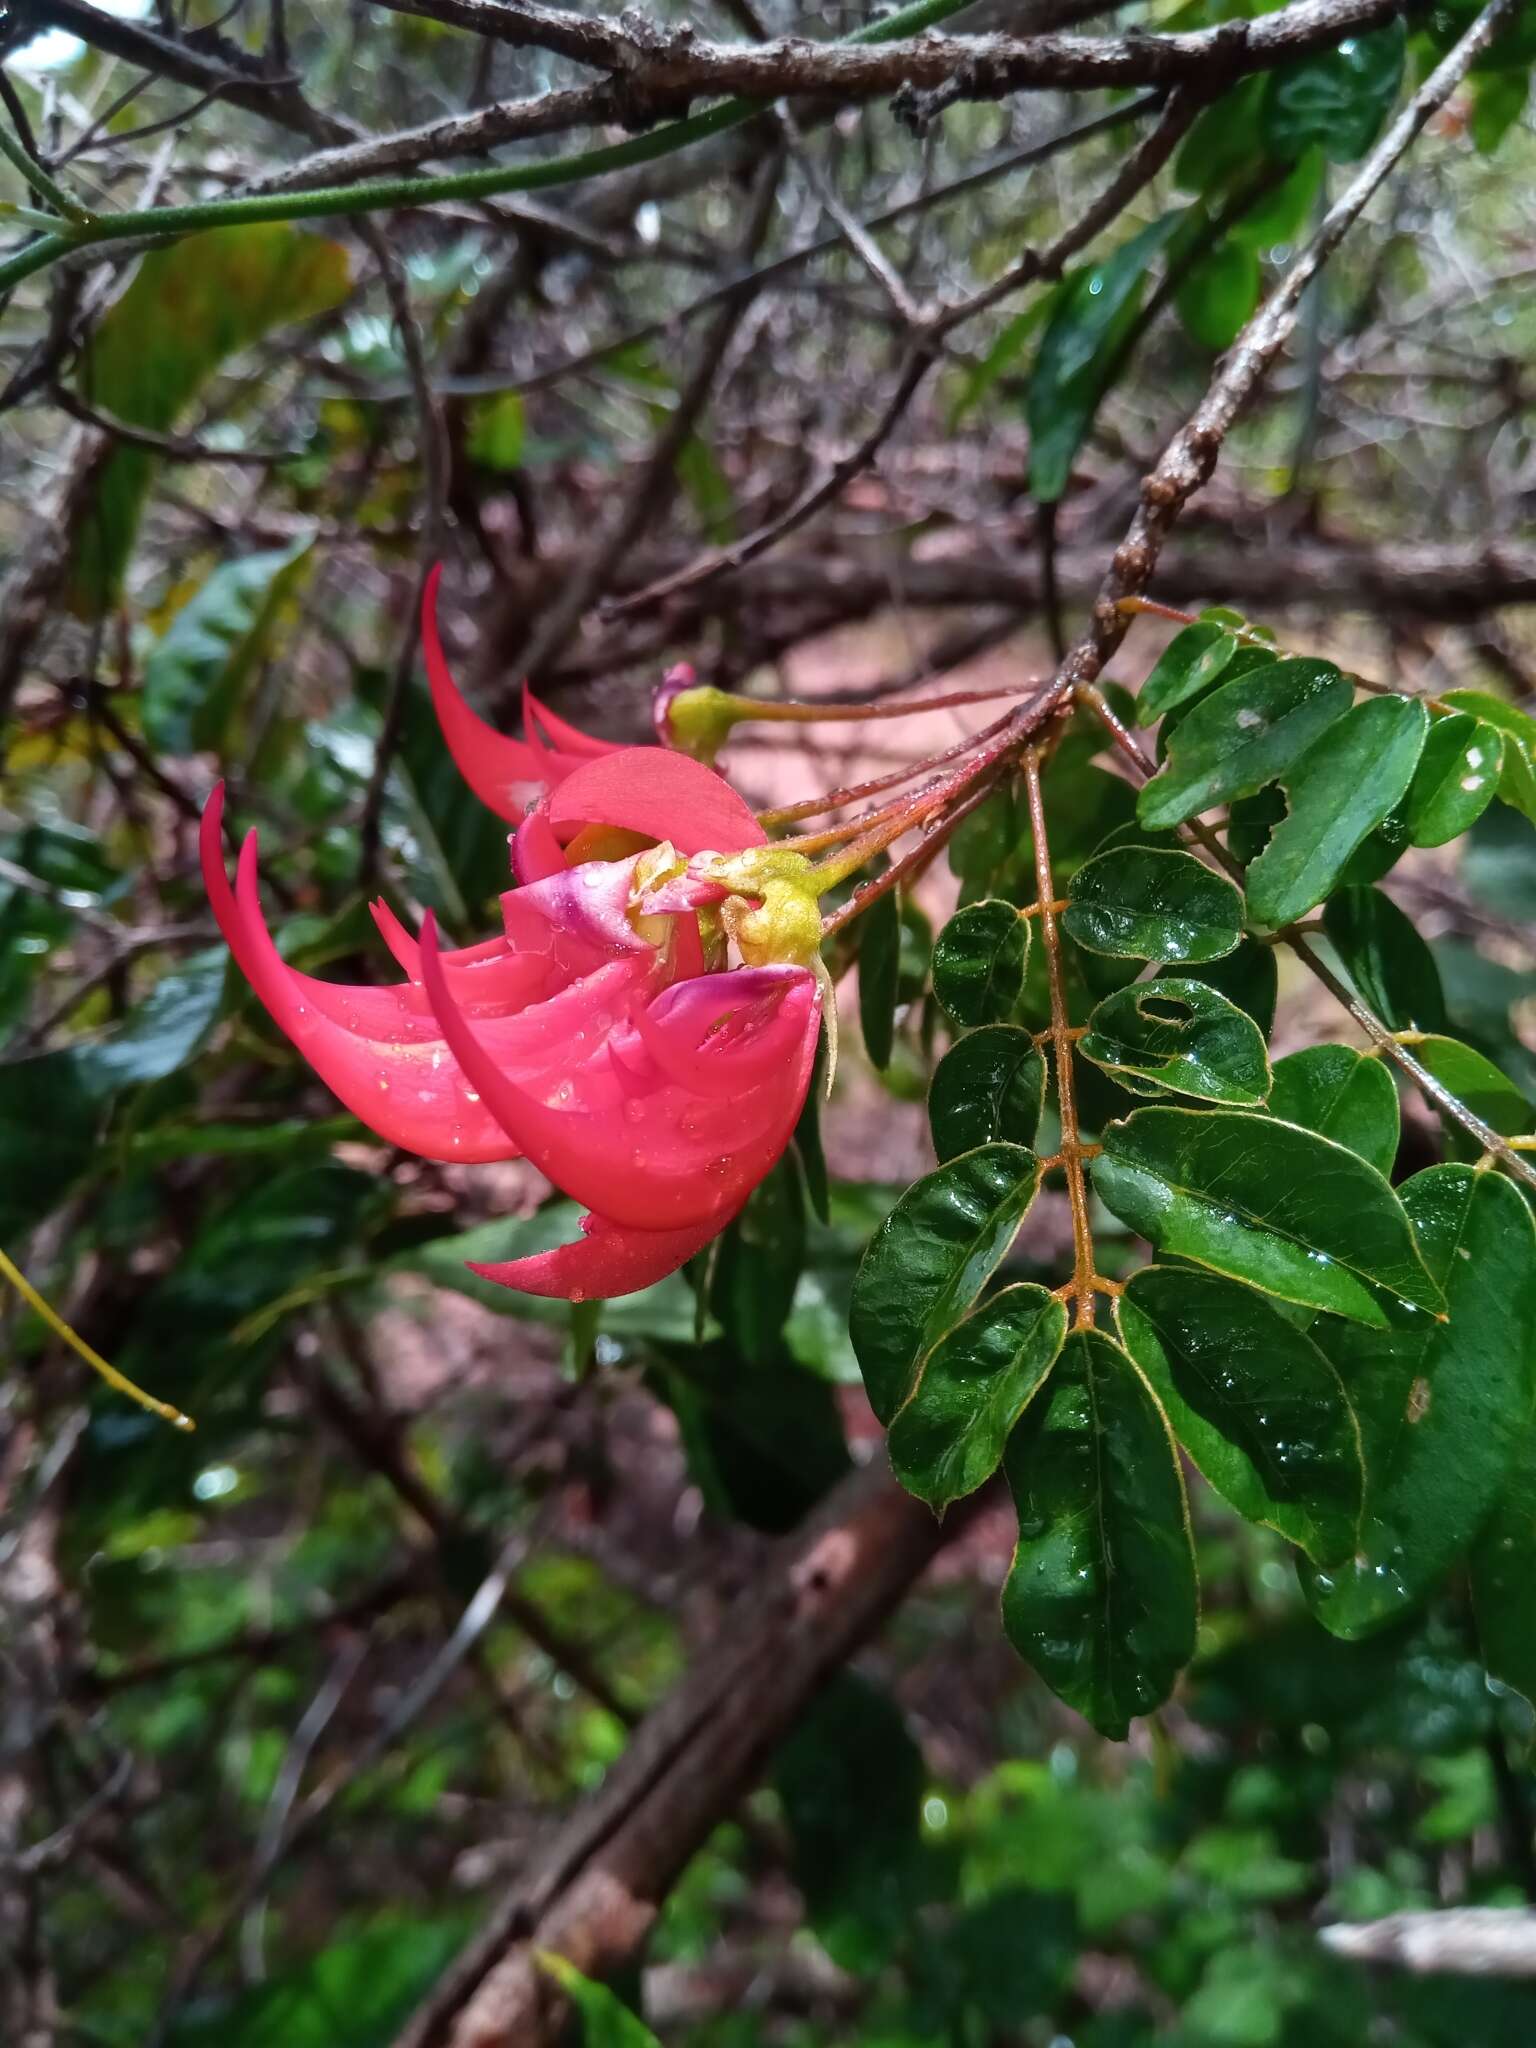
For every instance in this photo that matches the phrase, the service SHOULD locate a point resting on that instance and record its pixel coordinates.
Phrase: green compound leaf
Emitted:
(1190, 664)
(1257, 1405)
(1340, 790)
(1444, 1405)
(1244, 734)
(879, 977)
(1392, 969)
(1336, 98)
(930, 1259)
(1476, 1083)
(1503, 1570)
(1143, 903)
(1456, 779)
(979, 960)
(989, 1085)
(1102, 1597)
(195, 675)
(947, 1437)
(1182, 1036)
(1341, 1094)
(1291, 1213)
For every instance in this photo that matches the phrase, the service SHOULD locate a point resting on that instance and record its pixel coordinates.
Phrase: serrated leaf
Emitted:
(1456, 779)
(1260, 1409)
(188, 308)
(1476, 1083)
(1090, 318)
(879, 972)
(1191, 663)
(947, 1437)
(1288, 1212)
(1246, 733)
(930, 1259)
(1179, 1035)
(1336, 98)
(1444, 1405)
(196, 672)
(1341, 1094)
(1382, 954)
(978, 962)
(989, 1085)
(1101, 1598)
(1145, 904)
(1503, 1573)
(1339, 790)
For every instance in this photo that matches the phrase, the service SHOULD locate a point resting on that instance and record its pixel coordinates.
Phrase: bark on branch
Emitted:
(595, 1893)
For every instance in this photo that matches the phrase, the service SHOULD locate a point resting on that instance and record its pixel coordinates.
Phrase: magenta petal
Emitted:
(506, 774)
(715, 1036)
(662, 794)
(607, 1260)
(627, 1140)
(536, 852)
(490, 976)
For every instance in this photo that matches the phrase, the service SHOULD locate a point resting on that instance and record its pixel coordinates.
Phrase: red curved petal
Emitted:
(489, 976)
(627, 1140)
(664, 795)
(604, 1261)
(506, 774)
(565, 738)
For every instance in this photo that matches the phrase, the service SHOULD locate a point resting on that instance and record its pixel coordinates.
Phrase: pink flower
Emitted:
(589, 1036)
(507, 775)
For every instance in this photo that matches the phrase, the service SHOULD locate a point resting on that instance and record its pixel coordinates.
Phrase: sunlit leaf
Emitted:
(979, 960)
(1257, 1405)
(1338, 791)
(1341, 1094)
(1179, 1035)
(1246, 733)
(990, 1084)
(1279, 1207)
(947, 1437)
(1444, 1403)
(930, 1259)
(1101, 1598)
(1151, 905)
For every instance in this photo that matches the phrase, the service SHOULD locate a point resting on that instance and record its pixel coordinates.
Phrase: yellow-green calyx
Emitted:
(698, 720)
(782, 921)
